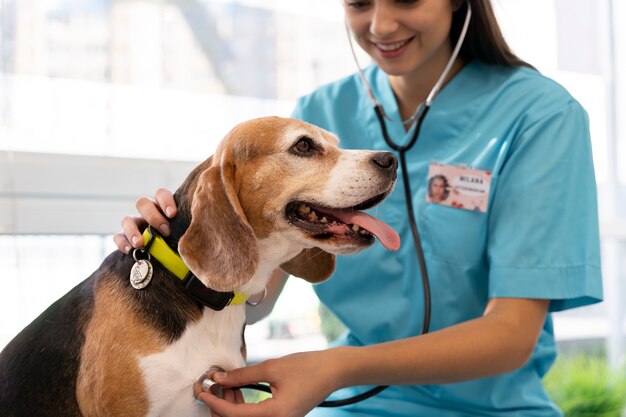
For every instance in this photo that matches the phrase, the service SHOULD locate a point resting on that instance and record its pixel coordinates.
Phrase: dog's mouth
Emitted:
(348, 224)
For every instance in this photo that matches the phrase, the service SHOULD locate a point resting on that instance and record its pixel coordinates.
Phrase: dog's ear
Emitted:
(313, 265)
(219, 246)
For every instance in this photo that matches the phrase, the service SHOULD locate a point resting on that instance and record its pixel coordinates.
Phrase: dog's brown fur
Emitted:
(82, 356)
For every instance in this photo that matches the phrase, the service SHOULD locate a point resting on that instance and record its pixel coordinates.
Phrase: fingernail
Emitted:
(135, 239)
(127, 249)
(219, 375)
(169, 210)
(165, 229)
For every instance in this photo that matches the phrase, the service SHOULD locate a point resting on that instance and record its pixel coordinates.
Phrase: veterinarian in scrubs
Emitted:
(515, 238)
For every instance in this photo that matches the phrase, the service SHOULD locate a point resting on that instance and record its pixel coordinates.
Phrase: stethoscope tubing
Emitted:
(402, 149)
(408, 197)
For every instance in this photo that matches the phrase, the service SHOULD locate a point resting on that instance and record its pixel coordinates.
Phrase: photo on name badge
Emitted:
(458, 186)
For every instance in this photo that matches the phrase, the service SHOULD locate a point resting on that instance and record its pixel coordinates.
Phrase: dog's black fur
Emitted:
(39, 367)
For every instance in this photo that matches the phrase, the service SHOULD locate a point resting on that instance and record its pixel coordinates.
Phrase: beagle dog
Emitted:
(277, 193)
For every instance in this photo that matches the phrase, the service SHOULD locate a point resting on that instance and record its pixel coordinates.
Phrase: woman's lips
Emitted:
(392, 49)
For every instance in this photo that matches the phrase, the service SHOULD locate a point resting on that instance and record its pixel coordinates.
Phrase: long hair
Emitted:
(484, 40)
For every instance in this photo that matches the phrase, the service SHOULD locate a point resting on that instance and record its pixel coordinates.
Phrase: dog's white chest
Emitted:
(215, 340)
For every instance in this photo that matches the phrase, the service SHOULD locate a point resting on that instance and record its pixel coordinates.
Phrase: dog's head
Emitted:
(281, 188)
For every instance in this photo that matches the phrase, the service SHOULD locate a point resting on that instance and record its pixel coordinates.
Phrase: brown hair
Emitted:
(484, 40)
(446, 185)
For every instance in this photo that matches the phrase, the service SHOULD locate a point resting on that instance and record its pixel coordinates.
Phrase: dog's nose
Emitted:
(386, 161)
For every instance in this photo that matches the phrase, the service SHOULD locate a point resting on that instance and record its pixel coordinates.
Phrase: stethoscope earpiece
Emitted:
(434, 91)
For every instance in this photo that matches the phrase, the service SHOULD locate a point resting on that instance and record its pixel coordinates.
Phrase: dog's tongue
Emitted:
(385, 234)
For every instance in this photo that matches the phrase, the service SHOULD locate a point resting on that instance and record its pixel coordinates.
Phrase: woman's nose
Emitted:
(383, 20)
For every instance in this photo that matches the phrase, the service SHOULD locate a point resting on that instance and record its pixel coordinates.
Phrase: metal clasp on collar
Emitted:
(259, 301)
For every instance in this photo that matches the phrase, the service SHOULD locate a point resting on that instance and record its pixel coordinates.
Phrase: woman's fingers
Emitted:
(149, 211)
(233, 396)
(131, 228)
(123, 245)
(165, 200)
(230, 395)
(226, 408)
(241, 376)
(238, 397)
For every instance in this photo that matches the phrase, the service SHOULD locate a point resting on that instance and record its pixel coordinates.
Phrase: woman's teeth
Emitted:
(392, 46)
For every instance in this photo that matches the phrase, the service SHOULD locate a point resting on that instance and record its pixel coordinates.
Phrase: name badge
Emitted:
(458, 186)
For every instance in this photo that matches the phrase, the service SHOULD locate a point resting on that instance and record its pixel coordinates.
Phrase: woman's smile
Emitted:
(406, 39)
(392, 49)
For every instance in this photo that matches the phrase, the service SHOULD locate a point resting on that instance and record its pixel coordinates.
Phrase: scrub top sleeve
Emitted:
(317, 109)
(303, 109)
(543, 239)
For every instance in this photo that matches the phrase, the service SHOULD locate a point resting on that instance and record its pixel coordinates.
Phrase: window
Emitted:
(102, 101)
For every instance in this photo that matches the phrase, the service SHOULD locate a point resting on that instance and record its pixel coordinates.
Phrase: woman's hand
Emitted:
(298, 382)
(500, 341)
(227, 394)
(150, 212)
(233, 396)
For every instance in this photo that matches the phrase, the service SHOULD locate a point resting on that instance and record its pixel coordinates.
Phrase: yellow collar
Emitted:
(156, 247)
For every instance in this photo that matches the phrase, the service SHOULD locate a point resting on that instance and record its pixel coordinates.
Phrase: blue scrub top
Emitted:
(538, 239)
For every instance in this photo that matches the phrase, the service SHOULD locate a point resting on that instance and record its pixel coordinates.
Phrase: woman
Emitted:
(495, 274)
(438, 188)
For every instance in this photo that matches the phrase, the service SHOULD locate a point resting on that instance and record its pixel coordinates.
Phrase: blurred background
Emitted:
(102, 101)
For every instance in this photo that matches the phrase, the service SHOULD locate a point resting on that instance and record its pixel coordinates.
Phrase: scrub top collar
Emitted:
(384, 93)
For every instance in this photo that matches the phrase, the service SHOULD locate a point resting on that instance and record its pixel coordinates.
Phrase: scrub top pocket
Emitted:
(454, 235)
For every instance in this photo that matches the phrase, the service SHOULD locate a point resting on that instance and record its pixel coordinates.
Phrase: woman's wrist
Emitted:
(344, 364)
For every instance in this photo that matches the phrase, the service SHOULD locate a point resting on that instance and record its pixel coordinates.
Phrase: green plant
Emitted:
(330, 326)
(253, 396)
(584, 386)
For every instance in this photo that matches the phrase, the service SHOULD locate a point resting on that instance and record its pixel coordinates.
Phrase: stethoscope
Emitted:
(418, 118)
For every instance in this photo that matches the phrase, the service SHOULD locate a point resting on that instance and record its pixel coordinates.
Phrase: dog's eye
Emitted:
(304, 146)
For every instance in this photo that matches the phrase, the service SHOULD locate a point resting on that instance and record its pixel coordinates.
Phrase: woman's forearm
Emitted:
(499, 342)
